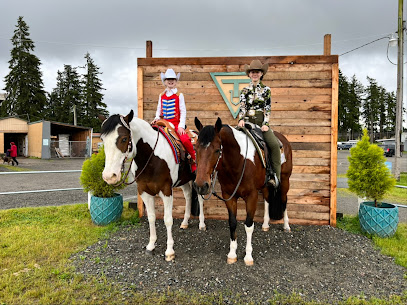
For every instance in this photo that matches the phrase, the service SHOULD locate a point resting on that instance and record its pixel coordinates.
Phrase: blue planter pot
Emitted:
(381, 221)
(106, 210)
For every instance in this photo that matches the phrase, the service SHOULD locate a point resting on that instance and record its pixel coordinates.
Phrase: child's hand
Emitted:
(240, 123)
(153, 121)
(181, 131)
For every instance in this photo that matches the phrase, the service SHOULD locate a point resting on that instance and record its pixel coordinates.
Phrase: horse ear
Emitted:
(218, 125)
(198, 124)
(129, 117)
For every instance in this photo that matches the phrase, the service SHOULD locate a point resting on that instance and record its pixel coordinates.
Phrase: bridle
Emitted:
(214, 175)
(129, 149)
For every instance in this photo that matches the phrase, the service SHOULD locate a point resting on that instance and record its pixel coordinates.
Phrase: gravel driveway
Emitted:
(319, 262)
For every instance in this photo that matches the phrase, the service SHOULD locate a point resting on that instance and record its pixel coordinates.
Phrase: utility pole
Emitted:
(399, 103)
(74, 115)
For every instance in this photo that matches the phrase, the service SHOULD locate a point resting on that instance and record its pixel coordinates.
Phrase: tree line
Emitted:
(74, 92)
(370, 106)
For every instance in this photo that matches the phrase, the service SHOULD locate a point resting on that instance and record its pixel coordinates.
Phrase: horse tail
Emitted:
(194, 203)
(276, 205)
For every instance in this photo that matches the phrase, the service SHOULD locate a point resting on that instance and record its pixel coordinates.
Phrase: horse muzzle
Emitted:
(201, 189)
(111, 178)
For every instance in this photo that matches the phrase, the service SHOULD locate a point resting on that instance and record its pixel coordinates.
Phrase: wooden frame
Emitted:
(304, 108)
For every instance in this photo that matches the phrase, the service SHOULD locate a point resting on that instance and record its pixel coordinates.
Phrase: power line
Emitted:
(387, 37)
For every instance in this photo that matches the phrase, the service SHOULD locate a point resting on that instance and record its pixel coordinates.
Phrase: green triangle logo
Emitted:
(229, 85)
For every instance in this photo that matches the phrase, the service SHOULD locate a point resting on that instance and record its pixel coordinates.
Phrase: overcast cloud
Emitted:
(115, 32)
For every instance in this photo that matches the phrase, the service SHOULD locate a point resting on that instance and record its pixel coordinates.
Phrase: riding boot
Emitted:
(275, 157)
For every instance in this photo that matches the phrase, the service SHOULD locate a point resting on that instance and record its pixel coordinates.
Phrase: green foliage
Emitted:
(368, 175)
(24, 85)
(91, 176)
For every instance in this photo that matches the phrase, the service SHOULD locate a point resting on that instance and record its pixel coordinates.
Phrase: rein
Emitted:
(214, 175)
(123, 180)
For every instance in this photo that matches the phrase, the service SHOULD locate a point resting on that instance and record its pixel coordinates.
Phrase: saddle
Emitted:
(168, 130)
(255, 134)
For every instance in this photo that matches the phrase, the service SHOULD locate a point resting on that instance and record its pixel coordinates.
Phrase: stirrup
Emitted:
(273, 181)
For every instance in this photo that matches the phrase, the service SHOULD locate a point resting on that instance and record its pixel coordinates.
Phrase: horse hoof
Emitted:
(232, 260)
(170, 257)
(202, 228)
(183, 226)
(288, 230)
(265, 229)
(150, 252)
(249, 263)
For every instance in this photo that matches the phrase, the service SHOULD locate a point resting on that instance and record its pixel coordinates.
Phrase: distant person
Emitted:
(13, 152)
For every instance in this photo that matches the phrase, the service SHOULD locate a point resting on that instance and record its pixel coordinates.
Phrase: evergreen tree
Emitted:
(24, 85)
(390, 108)
(342, 103)
(66, 95)
(356, 91)
(93, 98)
(370, 106)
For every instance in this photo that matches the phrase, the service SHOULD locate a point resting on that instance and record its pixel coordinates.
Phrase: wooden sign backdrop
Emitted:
(304, 92)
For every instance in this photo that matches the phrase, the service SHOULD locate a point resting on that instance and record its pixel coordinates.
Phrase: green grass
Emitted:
(35, 268)
(14, 169)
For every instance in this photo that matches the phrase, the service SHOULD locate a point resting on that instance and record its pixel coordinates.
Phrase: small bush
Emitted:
(91, 176)
(368, 175)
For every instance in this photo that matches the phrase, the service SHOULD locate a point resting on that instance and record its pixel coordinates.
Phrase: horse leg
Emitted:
(168, 201)
(285, 185)
(187, 190)
(149, 202)
(232, 210)
(266, 220)
(202, 225)
(251, 203)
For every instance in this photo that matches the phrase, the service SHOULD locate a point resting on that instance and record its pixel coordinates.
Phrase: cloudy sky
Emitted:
(115, 34)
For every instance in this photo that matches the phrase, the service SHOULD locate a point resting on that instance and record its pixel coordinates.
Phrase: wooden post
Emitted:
(149, 49)
(327, 44)
(334, 148)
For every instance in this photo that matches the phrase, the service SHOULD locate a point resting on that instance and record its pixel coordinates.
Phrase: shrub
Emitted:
(368, 175)
(91, 176)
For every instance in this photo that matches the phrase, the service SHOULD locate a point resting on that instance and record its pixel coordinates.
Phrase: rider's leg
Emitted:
(186, 141)
(275, 155)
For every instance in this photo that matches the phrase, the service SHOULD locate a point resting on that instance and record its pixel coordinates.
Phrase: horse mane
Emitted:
(110, 124)
(206, 135)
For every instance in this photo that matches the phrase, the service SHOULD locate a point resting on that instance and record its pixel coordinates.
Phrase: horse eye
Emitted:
(124, 140)
(217, 151)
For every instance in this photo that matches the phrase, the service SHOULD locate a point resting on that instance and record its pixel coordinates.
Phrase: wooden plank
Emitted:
(311, 67)
(292, 60)
(311, 146)
(300, 115)
(187, 76)
(311, 169)
(309, 138)
(311, 154)
(311, 161)
(303, 130)
(140, 114)
(298, 122)
(334, 137)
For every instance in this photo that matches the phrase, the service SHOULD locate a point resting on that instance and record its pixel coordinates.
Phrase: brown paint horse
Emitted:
(222, 150)
(153, 167)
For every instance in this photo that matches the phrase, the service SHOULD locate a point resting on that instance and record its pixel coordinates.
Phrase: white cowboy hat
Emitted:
(170, 73)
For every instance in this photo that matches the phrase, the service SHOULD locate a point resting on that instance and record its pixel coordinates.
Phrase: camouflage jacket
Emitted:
(256, 98)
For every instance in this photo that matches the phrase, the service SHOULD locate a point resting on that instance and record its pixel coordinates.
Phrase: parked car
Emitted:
(389, 151)
(344, 145)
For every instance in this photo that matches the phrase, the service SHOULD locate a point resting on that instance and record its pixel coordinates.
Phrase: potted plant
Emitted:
(369, 177)
(105, 204)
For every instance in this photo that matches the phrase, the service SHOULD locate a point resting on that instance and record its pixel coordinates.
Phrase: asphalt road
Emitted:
(346, 204)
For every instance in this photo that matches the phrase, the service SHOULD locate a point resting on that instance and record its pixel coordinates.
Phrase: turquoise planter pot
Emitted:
(381, 221)
(106, 210)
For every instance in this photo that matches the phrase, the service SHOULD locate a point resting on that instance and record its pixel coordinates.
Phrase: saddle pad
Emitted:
(256, 145)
